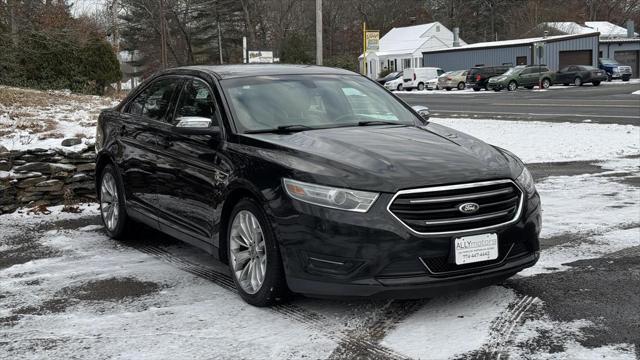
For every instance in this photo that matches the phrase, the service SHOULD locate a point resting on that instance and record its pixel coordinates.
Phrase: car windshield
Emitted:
(513, 70)
(263, 103)
(608, 62)
(392, 76)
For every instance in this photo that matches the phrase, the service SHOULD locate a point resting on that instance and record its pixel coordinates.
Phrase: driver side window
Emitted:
(154, 101)
(196, 100)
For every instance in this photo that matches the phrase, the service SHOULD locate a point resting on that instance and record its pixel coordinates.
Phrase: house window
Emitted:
(395, 64)
(437, 28)
(406, 63)
(521, 60)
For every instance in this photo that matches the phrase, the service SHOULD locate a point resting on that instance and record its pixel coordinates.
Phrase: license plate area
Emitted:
(475, 248)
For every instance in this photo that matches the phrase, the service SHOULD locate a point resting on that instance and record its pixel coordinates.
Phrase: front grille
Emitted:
(436, 210)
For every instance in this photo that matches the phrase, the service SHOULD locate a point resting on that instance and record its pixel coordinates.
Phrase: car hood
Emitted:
(385, 158)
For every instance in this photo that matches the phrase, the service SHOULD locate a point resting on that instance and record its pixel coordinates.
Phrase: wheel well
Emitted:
(232, 199)
(102, 161)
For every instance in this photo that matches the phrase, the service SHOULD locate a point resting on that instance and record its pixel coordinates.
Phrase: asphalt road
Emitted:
(607, 103)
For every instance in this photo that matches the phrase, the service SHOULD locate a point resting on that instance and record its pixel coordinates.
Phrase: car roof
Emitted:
(248, 70)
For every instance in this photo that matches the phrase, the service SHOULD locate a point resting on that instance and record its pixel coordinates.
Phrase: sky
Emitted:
(86, 6)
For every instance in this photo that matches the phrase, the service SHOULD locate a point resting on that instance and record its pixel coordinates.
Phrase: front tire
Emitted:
(399, 88)
(476, 89)
(596, 83)
(254, 256)
(112, 204)
(512, 86)
(577, 81)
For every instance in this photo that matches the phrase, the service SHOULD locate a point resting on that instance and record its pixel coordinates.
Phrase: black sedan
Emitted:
(580, 74)
(391, 76)
(314, 180)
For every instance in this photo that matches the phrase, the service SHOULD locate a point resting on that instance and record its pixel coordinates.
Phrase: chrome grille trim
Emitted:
(455, 187)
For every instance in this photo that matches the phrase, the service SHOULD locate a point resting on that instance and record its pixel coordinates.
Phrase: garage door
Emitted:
(630, 58)
(580, 57)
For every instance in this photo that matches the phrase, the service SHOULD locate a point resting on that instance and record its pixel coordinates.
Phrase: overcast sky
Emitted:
(86, 6)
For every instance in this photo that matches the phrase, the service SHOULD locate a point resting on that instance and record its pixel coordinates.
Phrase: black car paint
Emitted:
(478, 77)
(185, 185)
(569, 74)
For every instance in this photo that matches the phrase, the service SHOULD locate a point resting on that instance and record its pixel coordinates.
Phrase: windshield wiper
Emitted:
(378, 122)
(282, 129)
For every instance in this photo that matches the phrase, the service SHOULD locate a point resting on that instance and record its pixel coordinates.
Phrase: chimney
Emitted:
(631, 29)
(456, 37)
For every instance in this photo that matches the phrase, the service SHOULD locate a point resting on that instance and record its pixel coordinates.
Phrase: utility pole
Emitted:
(116, 35)
(219, 40)
(163, 41)
(319, 32)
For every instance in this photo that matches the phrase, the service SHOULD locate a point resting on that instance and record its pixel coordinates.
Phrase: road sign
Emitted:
(261, 57)
(373, 40)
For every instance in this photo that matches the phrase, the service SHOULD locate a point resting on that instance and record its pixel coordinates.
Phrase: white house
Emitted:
(402, 48)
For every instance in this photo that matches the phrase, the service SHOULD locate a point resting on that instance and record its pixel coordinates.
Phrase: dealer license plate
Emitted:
(476, 248)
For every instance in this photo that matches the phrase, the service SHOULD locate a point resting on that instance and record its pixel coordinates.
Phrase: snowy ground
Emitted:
(67, 291)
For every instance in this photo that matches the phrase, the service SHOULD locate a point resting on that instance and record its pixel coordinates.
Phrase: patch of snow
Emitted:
(451, 325)
(554, 259)
(637, 92)
(536, 141)
(563, 334)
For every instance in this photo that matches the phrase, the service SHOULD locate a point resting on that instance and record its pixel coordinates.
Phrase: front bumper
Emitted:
(330, 252)
(496, 86)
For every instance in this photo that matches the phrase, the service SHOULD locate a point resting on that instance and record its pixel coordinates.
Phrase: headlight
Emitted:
(525, 180)
(335, 198)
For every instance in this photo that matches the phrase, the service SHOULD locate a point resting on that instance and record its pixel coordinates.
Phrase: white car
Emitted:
(417, 78)
(395, 84)
(432, 84)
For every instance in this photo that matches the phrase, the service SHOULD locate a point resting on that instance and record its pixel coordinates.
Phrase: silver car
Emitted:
(453, 80)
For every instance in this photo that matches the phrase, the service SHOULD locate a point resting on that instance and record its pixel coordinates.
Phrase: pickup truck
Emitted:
(614, 69)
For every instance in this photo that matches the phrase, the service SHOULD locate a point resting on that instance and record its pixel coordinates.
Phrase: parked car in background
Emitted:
(453, 80)
(416, 78)
(614, 69)
(390, 76)
(433, 84)
(580, 74)
(395, 84)
(526, 76)
(478, 77)
(316, 181)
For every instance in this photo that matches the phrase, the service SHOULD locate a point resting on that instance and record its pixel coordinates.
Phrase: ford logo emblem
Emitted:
(469, 208)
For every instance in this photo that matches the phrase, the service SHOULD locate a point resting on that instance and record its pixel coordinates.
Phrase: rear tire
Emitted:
(254, 256)
(420, 86)
(476, 89)
(626, 79)
(399, 87)
(448, 88)
(112, 203)
(461, 86)
(596, 83)
(565, 84)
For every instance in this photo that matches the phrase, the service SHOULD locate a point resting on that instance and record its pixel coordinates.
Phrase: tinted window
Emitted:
(474, 71)
(154, 101)
(565, 69)
(440, 72)
(526, 71)
(196, 99)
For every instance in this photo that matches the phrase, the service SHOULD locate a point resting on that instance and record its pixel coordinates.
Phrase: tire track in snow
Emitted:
(502, 328)
(353, 343)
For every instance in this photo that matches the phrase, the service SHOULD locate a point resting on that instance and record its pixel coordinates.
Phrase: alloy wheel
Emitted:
(512, 86)
(577, 82)
(545, 84)
(248, 252)
(109, 206)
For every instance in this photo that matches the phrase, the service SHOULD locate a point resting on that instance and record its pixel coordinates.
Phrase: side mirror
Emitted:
(196, 125)
(423, 111)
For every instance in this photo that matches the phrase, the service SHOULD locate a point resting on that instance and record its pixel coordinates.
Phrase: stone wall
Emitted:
(48, 177)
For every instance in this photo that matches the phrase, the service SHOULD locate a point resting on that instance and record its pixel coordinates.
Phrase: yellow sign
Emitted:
(372, 39)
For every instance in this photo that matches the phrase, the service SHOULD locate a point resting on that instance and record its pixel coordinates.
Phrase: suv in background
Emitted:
(478, 77)
(614, 69)
(527, 76)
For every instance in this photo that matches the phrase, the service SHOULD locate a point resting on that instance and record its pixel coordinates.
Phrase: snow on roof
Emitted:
(568, 27)
(406, 40)
(607, 29)
(507, 42)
